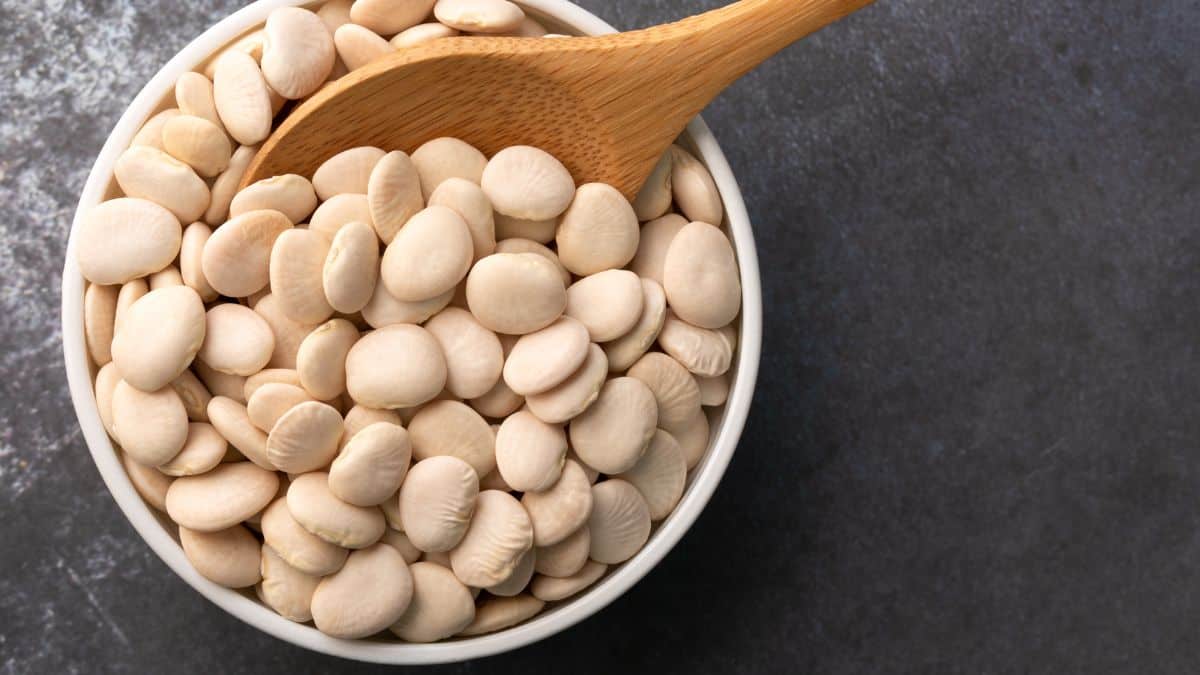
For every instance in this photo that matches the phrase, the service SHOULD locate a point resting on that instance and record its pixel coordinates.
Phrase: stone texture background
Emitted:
(974, 442)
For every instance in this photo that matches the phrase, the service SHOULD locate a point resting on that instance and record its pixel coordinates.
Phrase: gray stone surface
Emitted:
(974, 444)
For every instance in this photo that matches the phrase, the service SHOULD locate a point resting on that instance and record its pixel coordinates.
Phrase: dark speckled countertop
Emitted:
(975, 446)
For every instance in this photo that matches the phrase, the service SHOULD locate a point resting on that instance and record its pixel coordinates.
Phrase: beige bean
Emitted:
(360, 417)
(474, 357)
(316, 508)
(198, 143)
(232, 421)
(394, 194)
(608, 303)
(525, 182)
(194, 395)
(428, 257)
(674, 389)
(358, 46)
(339, 211)
(106, 383)
(702, 351)
(442, 559)
(167, 276)
(660, 475)
(553, 589)
(191, 252)
(237, 340)
(598, 232)
(201, 453)
(515, 293)
(558, 512)
(441, 605)
(151, 427)
(444, 158)
(496, 614)
(229, 557)
(453, 428)
(388, 17)
(131, 292)
(296, 269)
(123, 239)
(268, 376)
(194, 96)
(479, 16)
(99, 318)
(349, 171)
(627, 349)
(250, 44)
(289, 194)
(518, 580)
(220, 384)
(437, 500)
(242, 97)
(384, 309)
(372, 466)
(159, 337)
(693, 188)
(351, 270)
(654, 199)
(148, 481)
(297, 546)
(530, 452)
(377, 378)
(236, 260)
(527, 28)
(150, 135)
(494, 481)
(321, 361)
(286, 589)
(399, 541)
(221, 498)
(653, 245)
(298, 52)
(620, 521)
(225, 187)
(714, 391)
(613, 432)
(567, 556)
(498, 536)
(468, 200)
(700, 277)
(693, 439)
(499, 402)
(272, 401)
(422, 33)
(575, 394)
(289, 333)
(305, 438)
(335, 14)
(545, 359)
(520, 245)
(369, 593)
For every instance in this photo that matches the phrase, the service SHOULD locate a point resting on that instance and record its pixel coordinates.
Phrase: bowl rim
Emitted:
(147, 525)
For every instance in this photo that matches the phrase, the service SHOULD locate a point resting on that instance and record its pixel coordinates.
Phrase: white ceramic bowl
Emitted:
(703, 481)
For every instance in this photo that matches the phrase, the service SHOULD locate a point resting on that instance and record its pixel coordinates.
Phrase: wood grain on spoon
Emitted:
(606, 106)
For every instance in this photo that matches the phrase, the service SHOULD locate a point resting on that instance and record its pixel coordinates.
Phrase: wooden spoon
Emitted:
(606, 106)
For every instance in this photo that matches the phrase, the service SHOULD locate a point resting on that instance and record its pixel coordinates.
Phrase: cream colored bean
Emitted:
(191, 252)
(518, 580)
(499, 402)
(693, 439)
(131, 292)
(436, 502)
(388, 17)
(562, 509)
(530, 452)
(655, 241)
(305, 438)
(399, 541)
(237, 340)
(149, 482)
(612, 434)
(702, 351)
(220, 384)
(349, 171)
(298, 52)
(608, 303)
(167, 276)
(453, 428)
(194, 395)
(198, 143)
(693, 188)
(422, 33)
(714, 391)
(272, 401)
(335, 14)
(575, 394)
(372, 466)
(660, 475)
(360, 417)
(297, 546)
(383, 309)
(229, 557)
(567, 556)
(201, 453)
(674, 389)
(123, 239)
(232, 421)
(496, 614)
(351, 271)
(539, 231)
(527, 28)
(428, 257)
(339, 211)
(474, 357)
(479, 16)
(545, 359)
(394, 194)
(358, 46)
(369, 593)
(194, 96)
(445, 158)
(99, 318)
(221, 498)
(519, 245)
(498, 536)
(441, 605)
(225, 187)
(250, 45)
(237, 257)
(159, 337)
(654, 199)
(620, 522)
(553, 589)
(150, 135)
(700, 277)
(242, 97)
(321, 361)
(268, 376)
(377, 379)
(598, 232)
(525, 182)
(296, 270)
(627, 349)
(286, 589)
(494, 481)
(316, 508)
(442, 559)
(106, 384)
(468, 200)
(289, 333)
(151, 427)
(515, 293)
(291, 195)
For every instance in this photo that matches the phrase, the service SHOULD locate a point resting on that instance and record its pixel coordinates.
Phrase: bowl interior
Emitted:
(159, 532)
